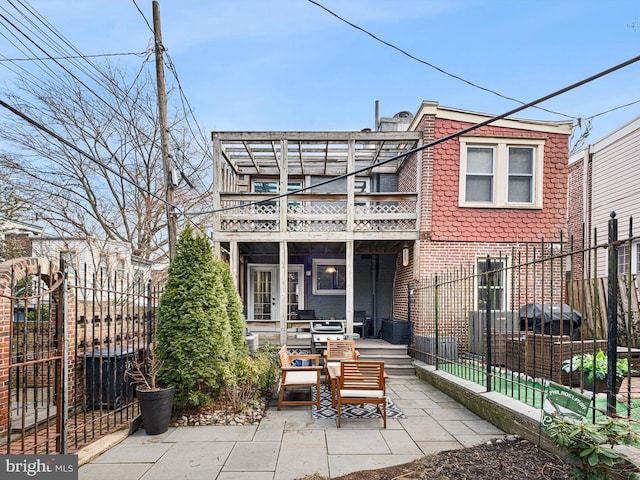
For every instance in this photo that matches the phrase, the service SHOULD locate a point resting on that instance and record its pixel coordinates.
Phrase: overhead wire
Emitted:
(88, 156)
(429, 64)
(43, 36)
(579, 121)
(188, 111)
(432, 143)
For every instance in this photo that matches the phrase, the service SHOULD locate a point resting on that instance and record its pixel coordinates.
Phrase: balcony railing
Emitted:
(325, 212)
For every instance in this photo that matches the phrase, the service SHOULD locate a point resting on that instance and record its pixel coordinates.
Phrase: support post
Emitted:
(164, 133)
(612, 315)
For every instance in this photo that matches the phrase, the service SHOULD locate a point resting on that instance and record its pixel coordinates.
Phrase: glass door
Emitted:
(263, 292)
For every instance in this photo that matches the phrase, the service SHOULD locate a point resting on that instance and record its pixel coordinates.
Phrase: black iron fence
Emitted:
(514, 320)
(68, 343)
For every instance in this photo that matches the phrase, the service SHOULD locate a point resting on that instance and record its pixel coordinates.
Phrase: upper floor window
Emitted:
(501, 173)
(273, 187)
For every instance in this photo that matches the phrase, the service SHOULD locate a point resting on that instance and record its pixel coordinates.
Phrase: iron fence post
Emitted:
(149, 316)
(436, 311)
(488, 321)
(612, 315)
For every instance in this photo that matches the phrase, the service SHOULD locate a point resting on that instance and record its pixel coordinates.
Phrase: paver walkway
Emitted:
(290, 444)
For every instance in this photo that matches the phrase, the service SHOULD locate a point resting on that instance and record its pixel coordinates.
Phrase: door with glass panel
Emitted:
(263, 292)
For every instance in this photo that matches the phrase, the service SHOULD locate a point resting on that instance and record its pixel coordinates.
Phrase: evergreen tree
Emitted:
(234, 312)
(194, 333)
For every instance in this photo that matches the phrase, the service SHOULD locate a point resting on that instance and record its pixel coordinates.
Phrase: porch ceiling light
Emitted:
(405, 254)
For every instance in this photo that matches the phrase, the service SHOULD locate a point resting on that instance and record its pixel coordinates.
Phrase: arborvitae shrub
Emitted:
(194, 333)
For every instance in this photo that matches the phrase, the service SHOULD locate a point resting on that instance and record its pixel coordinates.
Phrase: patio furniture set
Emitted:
(352, 381)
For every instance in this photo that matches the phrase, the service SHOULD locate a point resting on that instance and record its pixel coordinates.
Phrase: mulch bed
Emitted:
(500, 459)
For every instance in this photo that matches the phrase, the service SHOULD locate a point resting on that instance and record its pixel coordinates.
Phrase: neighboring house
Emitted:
(604, 178)
(15, 238)
(92, 261)
(355, 244)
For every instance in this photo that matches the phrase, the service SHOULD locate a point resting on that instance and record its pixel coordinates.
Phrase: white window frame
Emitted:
(504, 271)
(501, 171)
(323, 263)
(623, 255)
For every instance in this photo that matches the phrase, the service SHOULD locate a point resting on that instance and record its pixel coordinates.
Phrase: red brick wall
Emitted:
(450, 222)
(20, 266)
(579, 220)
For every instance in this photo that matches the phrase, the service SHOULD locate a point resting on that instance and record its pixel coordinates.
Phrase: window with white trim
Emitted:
(491, 282)
(629, 258)
(329, 276)
(501, 173)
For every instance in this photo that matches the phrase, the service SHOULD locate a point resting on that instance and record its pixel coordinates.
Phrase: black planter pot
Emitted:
(156, 407)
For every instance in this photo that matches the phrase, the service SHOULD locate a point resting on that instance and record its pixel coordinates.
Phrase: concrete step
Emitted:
(400, 370)
(387, 359)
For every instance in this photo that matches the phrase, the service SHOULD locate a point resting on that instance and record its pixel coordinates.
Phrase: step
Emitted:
(395, 371)
(387, 359)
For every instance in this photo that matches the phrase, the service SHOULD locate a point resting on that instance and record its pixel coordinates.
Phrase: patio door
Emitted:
(263, 292)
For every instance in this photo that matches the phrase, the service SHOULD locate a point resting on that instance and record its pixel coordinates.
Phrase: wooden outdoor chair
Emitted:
(293, 376)
(362, 382)
(338, 350)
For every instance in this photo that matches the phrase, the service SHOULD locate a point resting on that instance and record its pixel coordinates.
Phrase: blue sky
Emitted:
(290, 65)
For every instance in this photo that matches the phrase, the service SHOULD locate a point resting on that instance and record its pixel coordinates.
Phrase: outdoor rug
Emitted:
(368, 410)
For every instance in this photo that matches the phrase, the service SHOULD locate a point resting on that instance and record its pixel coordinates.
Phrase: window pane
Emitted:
(480, 160)
(520, 186)
(479, 189)
(623, 259)
(520, 190)
(521, 160)
(491, 285)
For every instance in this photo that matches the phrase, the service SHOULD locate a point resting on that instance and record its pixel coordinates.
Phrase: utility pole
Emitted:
(164, 133)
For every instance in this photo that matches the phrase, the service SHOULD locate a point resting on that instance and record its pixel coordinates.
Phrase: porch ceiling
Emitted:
(306, 248)
(312, 153)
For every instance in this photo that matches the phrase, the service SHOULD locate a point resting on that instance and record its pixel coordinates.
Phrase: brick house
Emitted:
(488, 193)
(376, 213)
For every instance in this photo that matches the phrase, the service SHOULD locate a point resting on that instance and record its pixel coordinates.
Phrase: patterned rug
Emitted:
(368, 410)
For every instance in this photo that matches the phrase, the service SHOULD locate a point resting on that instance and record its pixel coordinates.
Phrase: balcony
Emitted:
(307, 212)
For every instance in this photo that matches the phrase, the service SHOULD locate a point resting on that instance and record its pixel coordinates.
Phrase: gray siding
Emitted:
(616, 183)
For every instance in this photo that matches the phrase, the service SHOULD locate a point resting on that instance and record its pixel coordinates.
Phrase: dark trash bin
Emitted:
(395, 331)
(106, 385)
(551, 319)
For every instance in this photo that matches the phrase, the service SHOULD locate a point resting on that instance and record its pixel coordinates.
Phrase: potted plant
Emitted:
(594, 370)
(156, 402)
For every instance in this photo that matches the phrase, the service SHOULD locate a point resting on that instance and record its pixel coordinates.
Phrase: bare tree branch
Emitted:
(77, 196)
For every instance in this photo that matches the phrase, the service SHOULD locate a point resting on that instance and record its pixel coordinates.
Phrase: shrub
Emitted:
(194, 335)
(590, 446)
(250, 377)
(234, 311)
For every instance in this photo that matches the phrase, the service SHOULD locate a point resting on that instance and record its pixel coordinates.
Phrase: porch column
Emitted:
(282, 281)
(234, 261)
(284, 183)
(349, 293)
(217, 186)
(351, 203)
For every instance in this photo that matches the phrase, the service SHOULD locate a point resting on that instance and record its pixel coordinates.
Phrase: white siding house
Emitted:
(606, 176)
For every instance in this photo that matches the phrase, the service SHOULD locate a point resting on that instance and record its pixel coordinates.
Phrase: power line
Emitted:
(434, 142)
(88, 156)
(431, 65)
(75, 57)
